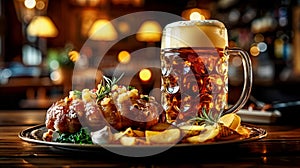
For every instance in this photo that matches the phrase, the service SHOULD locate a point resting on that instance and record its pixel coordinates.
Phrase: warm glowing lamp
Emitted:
(42, 26)
(124, 57)
(150, 31)
(29, 4)
(145, 74)
(196, 16)
(102, 30)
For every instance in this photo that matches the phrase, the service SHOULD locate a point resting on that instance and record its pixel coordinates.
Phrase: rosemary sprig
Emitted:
(206, 117)
(106, 85)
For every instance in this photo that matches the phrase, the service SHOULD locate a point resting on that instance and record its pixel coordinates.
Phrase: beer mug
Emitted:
(194, 66)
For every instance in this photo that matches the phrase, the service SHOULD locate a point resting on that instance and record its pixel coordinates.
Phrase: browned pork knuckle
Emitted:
(61, 116)
(120, 109)
(135, 113)
(69, 116)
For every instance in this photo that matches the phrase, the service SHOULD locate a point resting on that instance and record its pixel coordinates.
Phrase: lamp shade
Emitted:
(150, 31)
(42, 26)
(102, 30)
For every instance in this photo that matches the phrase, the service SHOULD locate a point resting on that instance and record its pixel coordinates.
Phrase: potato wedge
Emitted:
(191, 130)
(245, 132)
(138, 133)
(128, 141)
(161, 127)
(209, 133)
(168, 136)
(127, 132)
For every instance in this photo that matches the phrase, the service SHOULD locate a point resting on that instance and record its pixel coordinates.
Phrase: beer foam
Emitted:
(195, 33)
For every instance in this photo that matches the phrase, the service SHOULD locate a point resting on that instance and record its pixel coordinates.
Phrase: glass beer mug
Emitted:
(194, 65)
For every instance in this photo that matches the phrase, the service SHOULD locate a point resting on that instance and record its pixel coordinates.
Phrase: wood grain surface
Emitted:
(281, 148)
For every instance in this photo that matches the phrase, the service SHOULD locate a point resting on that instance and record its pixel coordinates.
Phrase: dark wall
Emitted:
(13, 38)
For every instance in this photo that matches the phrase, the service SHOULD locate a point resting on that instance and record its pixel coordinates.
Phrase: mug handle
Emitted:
(248, 79)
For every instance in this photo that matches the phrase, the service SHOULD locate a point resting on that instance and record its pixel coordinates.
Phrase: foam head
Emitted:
(195, 33)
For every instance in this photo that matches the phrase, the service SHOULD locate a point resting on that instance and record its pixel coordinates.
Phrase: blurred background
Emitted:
(41, 39)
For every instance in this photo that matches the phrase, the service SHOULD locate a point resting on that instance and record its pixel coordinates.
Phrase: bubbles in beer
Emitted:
(172, 89)
(187, 67)
(171, 83)
(198, 80)
(166, 67)
(186, 103)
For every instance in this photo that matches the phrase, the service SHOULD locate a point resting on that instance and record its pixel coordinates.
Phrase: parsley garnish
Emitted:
(80, 137)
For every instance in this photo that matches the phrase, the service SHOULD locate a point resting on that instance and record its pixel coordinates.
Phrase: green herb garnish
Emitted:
(80, 137)
(77, 93)
(206, 117)
(144, 97)
(131, 87)
(105, 87)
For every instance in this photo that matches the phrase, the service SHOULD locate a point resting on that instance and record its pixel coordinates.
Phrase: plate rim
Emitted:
(22, 135)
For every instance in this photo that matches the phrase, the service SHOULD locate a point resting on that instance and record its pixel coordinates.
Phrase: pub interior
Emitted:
(42, 42)
(35, 68)
(268, 31)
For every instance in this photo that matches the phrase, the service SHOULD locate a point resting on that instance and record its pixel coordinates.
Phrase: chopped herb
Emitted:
(131, 88)
(80, 137)
(77, 93)
(145, 98)
(105, 87)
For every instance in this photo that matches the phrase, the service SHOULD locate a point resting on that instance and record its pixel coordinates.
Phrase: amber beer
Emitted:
(194, 64)
(194, 79)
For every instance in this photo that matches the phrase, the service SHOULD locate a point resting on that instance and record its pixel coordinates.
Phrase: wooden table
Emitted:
(281, 148)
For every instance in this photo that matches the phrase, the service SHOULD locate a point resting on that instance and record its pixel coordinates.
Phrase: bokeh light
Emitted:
(55, 76)
(29, 4)
(145, 75)
(254, 50)
(74, 56)
(196, 16)
(40, 5)
(54, 64)
(262, 46)
(259, 38)
(124, 57)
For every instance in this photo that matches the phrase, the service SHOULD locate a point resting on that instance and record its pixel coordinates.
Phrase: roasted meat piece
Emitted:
(121, 108)
(135, 112)
(62, 116)
(125, 108)
(69, 115)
